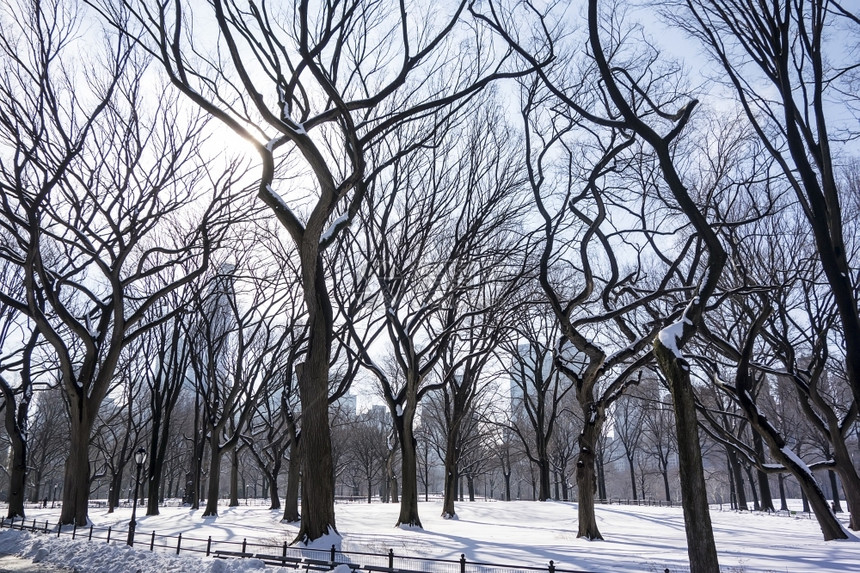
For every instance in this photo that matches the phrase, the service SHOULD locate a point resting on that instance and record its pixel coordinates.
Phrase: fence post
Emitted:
(285, 548)
(178, 543)
(551, 566)
(46, 526)
(34, 525)
(12, 522)
(74, 529)
(462, 563)
(244, 544)
(152, 541)
(59, 528)
(90, 538)
(108, 539)
(208, 546)
(391, 558)
(332, 553)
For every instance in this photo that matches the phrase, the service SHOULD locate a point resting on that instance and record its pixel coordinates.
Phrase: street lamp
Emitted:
(139, 459)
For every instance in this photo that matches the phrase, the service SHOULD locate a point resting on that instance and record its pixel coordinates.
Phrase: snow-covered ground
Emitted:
(521, 533)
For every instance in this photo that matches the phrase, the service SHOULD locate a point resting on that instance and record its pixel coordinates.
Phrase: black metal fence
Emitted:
(279, 555)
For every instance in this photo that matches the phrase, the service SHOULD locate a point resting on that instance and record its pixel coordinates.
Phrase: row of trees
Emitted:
(441, 197)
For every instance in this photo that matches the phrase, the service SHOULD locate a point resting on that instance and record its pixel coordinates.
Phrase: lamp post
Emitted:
(139, 459)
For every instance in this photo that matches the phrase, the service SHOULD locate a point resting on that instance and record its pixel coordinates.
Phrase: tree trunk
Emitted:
(115, 490)
(585, 481)
(450, 490)
(783, 503)
(197, 456)
(291, 496)
(452, 455)
(756, 506)
(740, 489)
(694, 497)
(544, 492)
(763, 479)
(18, 463)
(76, 484)
(834, 487)
(470, 486)
(318, 518)
(408, 468)
(632, 476)
(850, 481)
(272, 486)
(601, 477)
(211, 508)
(664, 471)
(507, 486)
(234, 478)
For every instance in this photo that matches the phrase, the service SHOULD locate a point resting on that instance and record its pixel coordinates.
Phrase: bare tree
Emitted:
(83, 196)
(330, 84)
(441, 247)
(792, 86)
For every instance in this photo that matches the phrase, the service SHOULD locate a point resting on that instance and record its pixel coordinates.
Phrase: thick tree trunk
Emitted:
(409, 475)
(291, 496)
(234, 478)
(272, 489)
(850, 480)
(544, 470)
(450, 490)
(763, 479)
(157, 455)
(76, 484)
(834, 487)
(452, 455)
(664, 471)
(318, 518)
(585, 481)
(211, 508)
(115, 490)
(507, 486)
(783, 502)
(17, 465)
(470, 486)
(694, 498)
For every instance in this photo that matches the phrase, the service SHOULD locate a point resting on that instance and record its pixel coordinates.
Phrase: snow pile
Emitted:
(116, 557)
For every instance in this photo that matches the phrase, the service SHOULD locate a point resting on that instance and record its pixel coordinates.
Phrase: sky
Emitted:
(520, 533)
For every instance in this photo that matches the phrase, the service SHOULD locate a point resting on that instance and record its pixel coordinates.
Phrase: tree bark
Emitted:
(318, 518)
(694, 497)
(632, 476)
(291, 496)
(585, 482)
(234, 478)
(15, 416)
(409, 475)
(783, 502)
(763, 479)
(740, 489)
(215, 452)
(76, 484)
